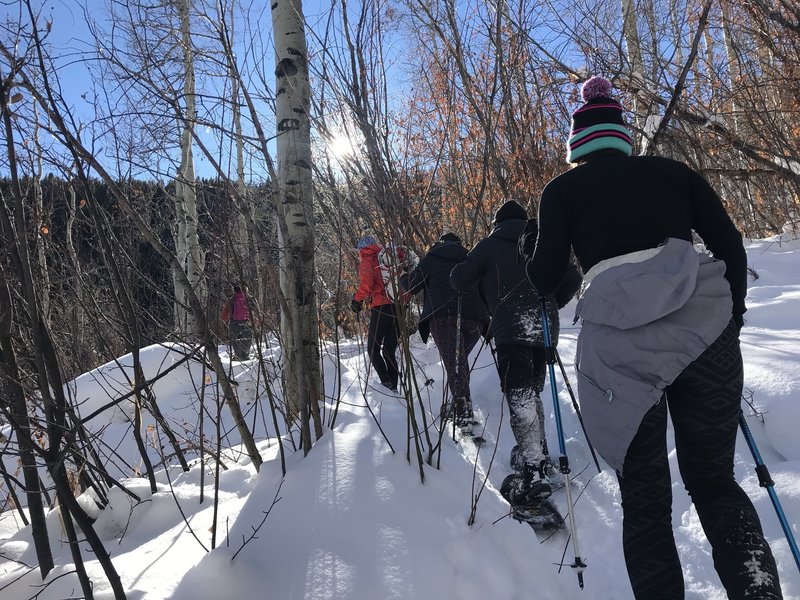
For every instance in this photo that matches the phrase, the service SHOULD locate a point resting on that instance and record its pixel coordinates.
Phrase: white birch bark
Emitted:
(634, 49)
(734, 73)
(299, 327)
(243, 237)
(39, 212)
(187, 242)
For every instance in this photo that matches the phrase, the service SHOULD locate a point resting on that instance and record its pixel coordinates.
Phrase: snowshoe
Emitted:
(523, 491)
(529, 502)
(470, 428)
(465, 420)
(541, 517)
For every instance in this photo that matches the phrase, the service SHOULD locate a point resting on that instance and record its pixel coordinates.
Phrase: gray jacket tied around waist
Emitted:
(643, 324)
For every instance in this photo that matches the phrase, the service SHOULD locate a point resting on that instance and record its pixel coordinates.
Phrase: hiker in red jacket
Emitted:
(382, 337)
(236, 314)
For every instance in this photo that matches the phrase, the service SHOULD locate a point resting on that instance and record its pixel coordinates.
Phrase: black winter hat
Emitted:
(449, 237)
(510, 210)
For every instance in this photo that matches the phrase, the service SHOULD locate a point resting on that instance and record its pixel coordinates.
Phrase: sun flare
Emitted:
(341, 146)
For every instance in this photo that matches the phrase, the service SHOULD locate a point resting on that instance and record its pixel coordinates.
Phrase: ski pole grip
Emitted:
(764, 479)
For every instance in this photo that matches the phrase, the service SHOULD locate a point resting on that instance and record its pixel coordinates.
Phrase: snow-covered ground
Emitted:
(354, 520)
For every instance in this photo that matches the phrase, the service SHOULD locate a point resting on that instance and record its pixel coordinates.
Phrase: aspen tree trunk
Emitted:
(631, 34)
(734, 73)
(245, 235)
(39, 215)
(187, 243)
(299, 327)
(79, 325)
(710, 73)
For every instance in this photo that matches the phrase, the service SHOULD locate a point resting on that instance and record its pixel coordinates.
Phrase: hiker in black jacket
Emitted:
(440, 318)
(495, 265)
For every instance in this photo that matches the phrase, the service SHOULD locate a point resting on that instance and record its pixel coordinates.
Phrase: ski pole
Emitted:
(577, 409)
(563, 460)
(765, 481)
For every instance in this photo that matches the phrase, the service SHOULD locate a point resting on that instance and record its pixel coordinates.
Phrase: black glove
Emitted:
(355, 305)
(738, 320)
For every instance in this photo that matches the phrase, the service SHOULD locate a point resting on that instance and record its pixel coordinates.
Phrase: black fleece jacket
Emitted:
(432, 277)
(494, 264)
(615, 204)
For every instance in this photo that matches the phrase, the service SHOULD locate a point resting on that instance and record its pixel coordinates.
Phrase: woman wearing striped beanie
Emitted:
(659, 336)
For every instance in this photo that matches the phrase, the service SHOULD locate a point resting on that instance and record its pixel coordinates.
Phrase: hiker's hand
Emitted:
(356, 305)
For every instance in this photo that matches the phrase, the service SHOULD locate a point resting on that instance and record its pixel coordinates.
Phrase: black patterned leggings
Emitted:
(446, 335)
(704, 403)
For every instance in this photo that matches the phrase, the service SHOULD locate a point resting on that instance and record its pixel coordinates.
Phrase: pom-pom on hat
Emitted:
(510, 210)
(365, 241)
(598, 124)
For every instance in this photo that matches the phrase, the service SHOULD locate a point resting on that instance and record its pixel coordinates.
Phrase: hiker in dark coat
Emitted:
(455, 339)
(660, 332)
(382, 335)
(495, 265)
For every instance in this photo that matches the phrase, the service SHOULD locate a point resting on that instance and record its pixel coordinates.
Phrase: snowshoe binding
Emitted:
(550, 471)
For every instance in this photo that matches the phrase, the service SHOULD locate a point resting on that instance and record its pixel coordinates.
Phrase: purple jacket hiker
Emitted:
(236, 314)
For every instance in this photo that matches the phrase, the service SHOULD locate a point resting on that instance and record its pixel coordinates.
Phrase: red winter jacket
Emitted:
(371, 285)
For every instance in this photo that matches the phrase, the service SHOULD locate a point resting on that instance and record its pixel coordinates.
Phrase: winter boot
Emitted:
(549, 469)
(465, 418)
(527, 493)
(525, 488)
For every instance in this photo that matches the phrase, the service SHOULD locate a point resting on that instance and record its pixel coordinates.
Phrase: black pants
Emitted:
(704, 402)
(241, 338)
(446, 335)
(522, 372)
(382, 343)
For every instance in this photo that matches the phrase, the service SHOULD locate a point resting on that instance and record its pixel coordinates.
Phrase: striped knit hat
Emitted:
(598, 124)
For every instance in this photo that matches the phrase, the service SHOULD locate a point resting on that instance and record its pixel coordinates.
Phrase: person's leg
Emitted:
(646, 486)
(377, 330)
(443, 330)
(244, 341)
(231, 340)
(235, 329)
(705, 401)
(469, 335)
(539, 368)
(516, 366)
(389, 344)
